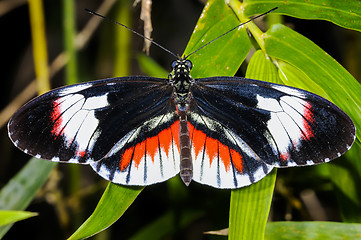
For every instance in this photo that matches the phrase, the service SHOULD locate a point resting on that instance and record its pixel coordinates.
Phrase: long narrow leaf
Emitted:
(250, 205)
(308, 231)
(8, 217)
(312, 231)
(249, 209)
(345, 13)
(21, 189)
(115, 201)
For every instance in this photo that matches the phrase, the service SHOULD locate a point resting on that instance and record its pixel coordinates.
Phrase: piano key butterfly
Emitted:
(226, 132)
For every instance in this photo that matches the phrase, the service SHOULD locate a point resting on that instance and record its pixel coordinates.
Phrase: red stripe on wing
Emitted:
(211, 148)
(285, 156)
(139, 151)
(80, 153)
(309, 119)
(237, 161)
(198, 139)
(56, 118)
(224, 155)
(126, 158)
(150, 146)
(175, 132)
(214, 148)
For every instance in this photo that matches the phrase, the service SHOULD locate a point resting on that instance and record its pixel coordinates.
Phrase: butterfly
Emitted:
(226, 132)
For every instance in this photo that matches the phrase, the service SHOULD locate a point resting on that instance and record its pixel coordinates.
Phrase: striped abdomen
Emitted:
(186, 165)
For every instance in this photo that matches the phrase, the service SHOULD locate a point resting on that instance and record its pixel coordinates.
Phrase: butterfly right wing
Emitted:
(118, 124)
(241, 128)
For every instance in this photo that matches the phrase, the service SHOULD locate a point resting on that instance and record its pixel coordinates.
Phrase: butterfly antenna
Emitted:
(140, 35)
(258, 16)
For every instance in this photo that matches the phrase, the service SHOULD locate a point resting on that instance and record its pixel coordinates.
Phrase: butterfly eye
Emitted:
(174, 64)
(189, 64)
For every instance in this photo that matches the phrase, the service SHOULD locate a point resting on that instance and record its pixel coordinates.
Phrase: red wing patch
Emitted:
(151, 160)
(285, 156)
(237, 161)
(309, 119)
(210, 150)
(56, 118)
(152, 147)
(221, 166)
(218, 165)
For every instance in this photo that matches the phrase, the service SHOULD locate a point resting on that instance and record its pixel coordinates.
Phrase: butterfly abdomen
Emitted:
(186, 166)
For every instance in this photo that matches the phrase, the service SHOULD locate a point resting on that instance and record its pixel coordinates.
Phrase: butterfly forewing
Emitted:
(82, 123)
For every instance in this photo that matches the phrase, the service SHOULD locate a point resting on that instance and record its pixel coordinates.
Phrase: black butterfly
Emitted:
(226, 132)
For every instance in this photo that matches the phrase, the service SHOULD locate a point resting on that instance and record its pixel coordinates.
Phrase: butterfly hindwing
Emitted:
(220, 158)
(83, 122)
(146, 155)
(284, 126)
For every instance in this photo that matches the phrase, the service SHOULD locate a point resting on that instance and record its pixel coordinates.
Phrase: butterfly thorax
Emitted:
(181, 81)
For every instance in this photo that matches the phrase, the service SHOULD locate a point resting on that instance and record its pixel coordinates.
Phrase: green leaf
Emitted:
(250, 205)
(345, 13)
(224, 56)
(282, 43)
(249, 209)
(292, 76)
(261, 67)
(115, 201)
(21, 189)
(312, 231)
(7, 217)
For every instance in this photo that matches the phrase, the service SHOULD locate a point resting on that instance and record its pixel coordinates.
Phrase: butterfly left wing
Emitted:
(118, 125)
(255, 125)
(146, 155)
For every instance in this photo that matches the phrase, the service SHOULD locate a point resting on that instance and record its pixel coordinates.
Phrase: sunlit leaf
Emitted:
(223, 56)
(7, 217)
(21, 189)
(115, 201)
(345, 13)
(312, 231)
